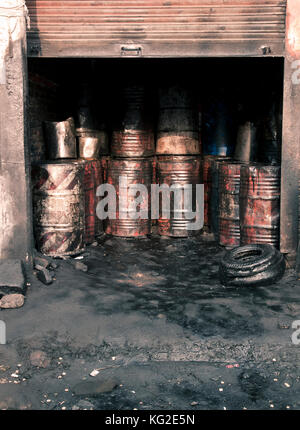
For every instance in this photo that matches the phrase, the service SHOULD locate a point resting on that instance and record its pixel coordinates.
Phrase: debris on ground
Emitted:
(12, 301)
(80, 266)
(44, 276)
(39, 359)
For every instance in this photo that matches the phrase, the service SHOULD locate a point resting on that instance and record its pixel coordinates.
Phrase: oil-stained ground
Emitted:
(152, 319)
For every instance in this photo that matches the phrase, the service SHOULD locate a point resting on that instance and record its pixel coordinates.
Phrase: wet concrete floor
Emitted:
(151, 317)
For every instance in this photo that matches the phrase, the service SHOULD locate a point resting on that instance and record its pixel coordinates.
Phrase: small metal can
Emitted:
(92, 144)
(60, 139)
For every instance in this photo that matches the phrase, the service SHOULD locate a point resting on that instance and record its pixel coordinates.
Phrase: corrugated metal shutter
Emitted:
(156, 28)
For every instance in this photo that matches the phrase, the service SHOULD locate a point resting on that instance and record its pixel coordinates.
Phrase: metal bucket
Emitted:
(182, 170)
(92, 179)
(136, 171)
(213, 207)
(229, 207)
(260, 204)
(132, 134)
(178, 123)
(92, 144)
(60, 139)
(59, 207)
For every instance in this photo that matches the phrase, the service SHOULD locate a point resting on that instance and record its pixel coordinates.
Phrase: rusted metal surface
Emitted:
(260, 204)
(207, 181)
(132, 135)
(104, 163)
(58, 203)
(213, 203)
(92, 144)
(155, 28)
(178, 128)
(182, 170)
(60, 139)
(229, 207)
(92, 179)
(246, 145)
(136, 171)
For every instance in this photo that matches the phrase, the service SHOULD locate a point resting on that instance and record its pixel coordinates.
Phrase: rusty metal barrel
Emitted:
(229, 205)
(132, 134)
(135, 171)
(213, 204)
(104, 163)
(260, 204)
(177, 170)
(59, 207)
(178, 123)
(92, 179)
(207, 181)
(60, 139)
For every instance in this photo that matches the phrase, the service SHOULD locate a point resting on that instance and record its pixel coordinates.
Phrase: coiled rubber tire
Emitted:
(251, 265)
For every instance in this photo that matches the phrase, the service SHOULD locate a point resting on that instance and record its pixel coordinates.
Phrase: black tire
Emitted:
(251, 265)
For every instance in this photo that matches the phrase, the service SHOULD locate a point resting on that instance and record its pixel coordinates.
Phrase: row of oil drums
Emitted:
(66, 199)
(242, 201)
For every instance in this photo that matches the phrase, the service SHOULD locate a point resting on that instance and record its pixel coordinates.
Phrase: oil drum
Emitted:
(178, 123)
(59, 207)
(229, 208)
(260, 204)
(213, 207)
(92, 179)
(60, 139)
(104, 163)
(132, 134)
(177, 170)
(207, 181)
(135, 171)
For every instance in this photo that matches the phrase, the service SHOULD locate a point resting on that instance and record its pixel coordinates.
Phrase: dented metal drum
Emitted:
(59, 207)
(229, 205)
(60, 139)
(134, 171)
(178, 123)
(92, 179)
(132, 134)
(213, 204)
(260, 204)
(177, 170)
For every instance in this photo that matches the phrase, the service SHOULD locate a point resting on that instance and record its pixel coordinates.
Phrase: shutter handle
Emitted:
(131, 51)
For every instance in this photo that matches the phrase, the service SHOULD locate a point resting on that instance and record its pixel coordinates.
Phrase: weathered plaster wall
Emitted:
(15, 199)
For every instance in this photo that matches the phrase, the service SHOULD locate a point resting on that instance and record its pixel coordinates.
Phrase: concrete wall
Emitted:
(15, 198)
